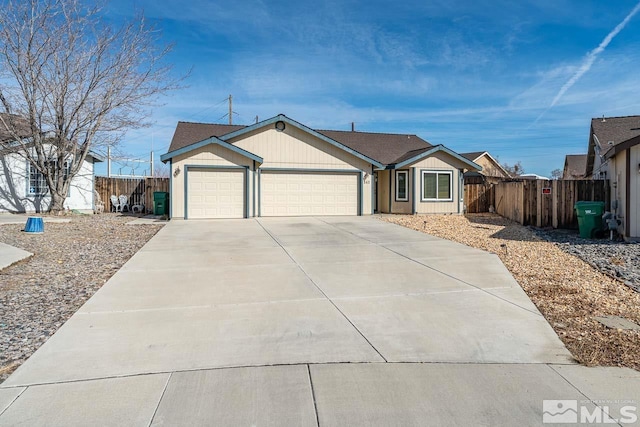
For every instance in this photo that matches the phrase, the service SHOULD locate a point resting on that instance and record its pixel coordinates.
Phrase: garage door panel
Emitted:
(216, 194)
(305, 194)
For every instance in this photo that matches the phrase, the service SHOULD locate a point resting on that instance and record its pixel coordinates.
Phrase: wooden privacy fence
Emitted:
(479, 197)
(544, 203)
(136, 189)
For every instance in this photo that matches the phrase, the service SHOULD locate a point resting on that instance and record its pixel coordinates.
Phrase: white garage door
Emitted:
(215, 193)
(299, 194)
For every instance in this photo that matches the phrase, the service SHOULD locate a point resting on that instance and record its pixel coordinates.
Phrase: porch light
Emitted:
(176, 172)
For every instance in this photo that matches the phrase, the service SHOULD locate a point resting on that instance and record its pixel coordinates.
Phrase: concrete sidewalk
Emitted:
(9, 255)
(305, 321)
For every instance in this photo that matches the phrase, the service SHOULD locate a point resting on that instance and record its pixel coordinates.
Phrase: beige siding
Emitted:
(489, 168)
(397, 206)
(296, 149)
(209, 155)
(634, 229)
(438, 162)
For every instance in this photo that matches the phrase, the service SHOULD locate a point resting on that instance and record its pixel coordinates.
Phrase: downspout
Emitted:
(413, 191)
(390, 189)
(170, 189)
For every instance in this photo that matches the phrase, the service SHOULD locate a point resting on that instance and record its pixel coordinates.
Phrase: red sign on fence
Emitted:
(546, 190)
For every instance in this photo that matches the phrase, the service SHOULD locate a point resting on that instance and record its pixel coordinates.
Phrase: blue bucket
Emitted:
(34, 225)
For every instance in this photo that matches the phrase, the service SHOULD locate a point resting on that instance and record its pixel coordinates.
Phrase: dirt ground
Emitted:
(70, 262)
(567, 291)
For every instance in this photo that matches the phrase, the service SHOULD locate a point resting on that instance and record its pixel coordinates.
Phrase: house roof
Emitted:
(21, 124)
(473, 156)
(613, 131)
(386, 148)
(575, 164)
(379, 148)
(188, 132)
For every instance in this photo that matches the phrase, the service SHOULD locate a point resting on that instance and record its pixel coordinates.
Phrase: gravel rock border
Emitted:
(71, 262)
(618, 259)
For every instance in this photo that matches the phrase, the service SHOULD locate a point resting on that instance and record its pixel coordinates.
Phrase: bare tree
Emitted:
(515, 170)
(71, 83)
(556, 174)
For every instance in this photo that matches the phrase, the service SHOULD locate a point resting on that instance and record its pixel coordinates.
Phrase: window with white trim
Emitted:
(437, 186)
(38, 182)
(402, 186)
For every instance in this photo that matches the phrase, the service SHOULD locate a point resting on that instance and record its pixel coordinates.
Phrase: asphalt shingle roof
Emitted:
(472, 156)
(188, 133)
(615, 130)
(385, 148)
(576, 164)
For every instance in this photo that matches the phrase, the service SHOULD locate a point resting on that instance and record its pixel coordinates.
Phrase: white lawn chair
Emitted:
(115, 203)
(124, 203)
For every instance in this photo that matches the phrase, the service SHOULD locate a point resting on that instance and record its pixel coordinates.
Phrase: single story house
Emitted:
(280, 167)
(575, 166)
(24, 189)
(492, 171)
(614, 154)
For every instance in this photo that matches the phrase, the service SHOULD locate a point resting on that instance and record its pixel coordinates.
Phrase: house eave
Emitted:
(210, 141)
(287, 120)
(435, 149)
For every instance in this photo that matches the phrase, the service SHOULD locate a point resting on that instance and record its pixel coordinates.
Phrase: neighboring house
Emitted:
(531, 176)
(575, 166)
(280, 167)
(24, 189)
(491, 171)
(614, 154)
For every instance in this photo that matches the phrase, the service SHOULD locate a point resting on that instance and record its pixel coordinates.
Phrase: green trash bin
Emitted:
(160, 203)
(589, 218)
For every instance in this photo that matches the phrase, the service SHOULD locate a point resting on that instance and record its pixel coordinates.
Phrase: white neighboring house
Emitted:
(24, 189)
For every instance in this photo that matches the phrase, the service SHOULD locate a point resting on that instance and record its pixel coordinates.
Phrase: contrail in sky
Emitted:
(590, 59)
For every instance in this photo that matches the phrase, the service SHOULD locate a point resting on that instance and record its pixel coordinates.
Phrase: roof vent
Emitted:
(603, 119)
(610, 142)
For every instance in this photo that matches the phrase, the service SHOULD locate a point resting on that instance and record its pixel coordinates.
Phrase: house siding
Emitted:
(634, 219)
(210, 155)
(294, 148)
(14, 192)
(438, 162)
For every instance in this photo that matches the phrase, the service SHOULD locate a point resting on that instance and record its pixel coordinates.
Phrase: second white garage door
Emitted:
(300, 194)
(216, 193)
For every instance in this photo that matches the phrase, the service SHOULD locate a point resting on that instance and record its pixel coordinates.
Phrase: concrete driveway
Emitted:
(304, 321)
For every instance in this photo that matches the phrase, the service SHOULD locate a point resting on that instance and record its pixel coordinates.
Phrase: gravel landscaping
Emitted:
(71, 262)
(616, 258)
(567, 290)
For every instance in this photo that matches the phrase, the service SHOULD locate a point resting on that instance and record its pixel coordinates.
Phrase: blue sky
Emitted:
(520, 79)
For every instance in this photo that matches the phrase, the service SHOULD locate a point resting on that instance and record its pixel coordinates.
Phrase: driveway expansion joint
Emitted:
(435, 269)
(322, 291)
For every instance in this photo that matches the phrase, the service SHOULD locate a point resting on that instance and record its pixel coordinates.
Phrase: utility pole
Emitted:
(109, 161)
(151, 167)
(230, 110)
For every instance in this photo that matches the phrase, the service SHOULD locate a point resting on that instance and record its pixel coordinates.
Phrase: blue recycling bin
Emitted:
(35, 225)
